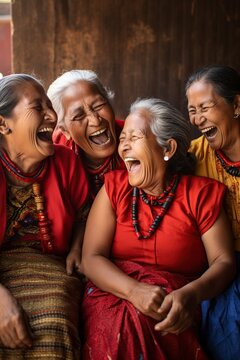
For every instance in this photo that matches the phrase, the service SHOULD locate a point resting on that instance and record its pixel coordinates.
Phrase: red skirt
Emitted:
(114, 330)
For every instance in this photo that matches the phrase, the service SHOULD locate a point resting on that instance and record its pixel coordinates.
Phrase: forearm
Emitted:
(214, 280)
(108, 277)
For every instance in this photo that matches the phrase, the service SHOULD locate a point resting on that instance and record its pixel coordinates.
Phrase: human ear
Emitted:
(170, 148)
(4, 128)
(237, 105)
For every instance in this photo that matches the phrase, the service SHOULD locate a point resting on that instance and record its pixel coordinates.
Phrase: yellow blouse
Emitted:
(208, 165)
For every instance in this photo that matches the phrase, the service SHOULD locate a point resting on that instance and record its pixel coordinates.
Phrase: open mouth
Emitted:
(100, 137)
(45, 134)
(209, 132)
(131, 164)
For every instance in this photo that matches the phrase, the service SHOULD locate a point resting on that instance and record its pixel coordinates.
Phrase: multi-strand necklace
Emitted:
(232, 168)
(163, 201)
(33, 178)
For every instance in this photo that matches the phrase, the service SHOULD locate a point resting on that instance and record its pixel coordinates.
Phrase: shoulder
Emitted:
(65, 159)
(200, 147)
(195, 183)
(200, 187)
(116, 183)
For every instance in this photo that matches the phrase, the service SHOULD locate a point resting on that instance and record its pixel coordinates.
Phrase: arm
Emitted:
(73, 260)
(102, 271)
(178, 307)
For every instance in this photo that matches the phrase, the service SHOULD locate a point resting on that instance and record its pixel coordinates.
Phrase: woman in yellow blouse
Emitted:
(213, 95)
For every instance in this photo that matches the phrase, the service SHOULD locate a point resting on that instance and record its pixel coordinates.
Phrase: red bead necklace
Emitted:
(33, 178)
(164, 206)
(232, 168)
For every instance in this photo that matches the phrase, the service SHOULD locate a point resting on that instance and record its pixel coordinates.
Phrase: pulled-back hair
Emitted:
(224, 79)
(59, 86)
(9, 91)
(168, 123)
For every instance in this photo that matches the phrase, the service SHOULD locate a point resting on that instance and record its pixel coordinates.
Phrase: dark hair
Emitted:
(225, 80)
(9, 94)
(167, 122)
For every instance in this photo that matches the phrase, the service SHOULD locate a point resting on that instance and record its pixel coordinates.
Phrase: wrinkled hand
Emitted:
(14, 328)
(178, 311)
(73, 261)
(147, 299)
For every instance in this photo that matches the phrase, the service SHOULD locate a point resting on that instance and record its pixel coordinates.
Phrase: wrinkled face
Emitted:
(212, 115)
(141, 153)
(32, 123)
(90, 120)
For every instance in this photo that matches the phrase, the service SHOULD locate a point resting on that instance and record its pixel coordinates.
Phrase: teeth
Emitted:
(129, 159)
(98, 132)
(46, 129)
(207, 129)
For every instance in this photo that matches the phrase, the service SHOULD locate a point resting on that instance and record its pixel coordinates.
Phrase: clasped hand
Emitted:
(174, 311)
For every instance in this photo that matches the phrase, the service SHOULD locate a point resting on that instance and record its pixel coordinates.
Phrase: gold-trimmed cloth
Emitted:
(50, 298)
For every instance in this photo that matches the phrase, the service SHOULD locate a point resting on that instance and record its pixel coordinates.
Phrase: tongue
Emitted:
(45, 136)
(99, 139)
(211, 133)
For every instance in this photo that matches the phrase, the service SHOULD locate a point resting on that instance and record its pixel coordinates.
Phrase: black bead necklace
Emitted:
(169, 193)
(230, 167)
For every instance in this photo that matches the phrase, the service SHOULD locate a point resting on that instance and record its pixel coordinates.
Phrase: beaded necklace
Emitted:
(33, 178)
(232, 168)
(169, 193)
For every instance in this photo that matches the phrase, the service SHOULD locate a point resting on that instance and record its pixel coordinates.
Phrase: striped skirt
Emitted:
(50, 298)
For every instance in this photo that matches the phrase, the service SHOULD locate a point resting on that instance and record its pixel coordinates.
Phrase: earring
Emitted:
(236, 115)
(166, 158)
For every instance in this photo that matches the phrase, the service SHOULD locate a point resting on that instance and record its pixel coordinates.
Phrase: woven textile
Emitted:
(49, 297)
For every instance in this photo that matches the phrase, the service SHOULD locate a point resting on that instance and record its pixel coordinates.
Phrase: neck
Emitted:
(25, 164)
(94, 163)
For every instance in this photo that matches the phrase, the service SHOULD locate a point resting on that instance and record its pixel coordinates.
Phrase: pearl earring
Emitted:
(166, 158)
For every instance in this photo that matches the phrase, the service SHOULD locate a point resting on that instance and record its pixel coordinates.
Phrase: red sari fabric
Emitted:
(174, 256)
(65, 190)
(95, 176)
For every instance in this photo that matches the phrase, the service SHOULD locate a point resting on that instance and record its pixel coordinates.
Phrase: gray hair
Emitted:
(168, 123)
(9, 91)
(56, 90)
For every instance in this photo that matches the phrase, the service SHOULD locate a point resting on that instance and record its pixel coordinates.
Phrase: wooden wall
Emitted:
(139, 48)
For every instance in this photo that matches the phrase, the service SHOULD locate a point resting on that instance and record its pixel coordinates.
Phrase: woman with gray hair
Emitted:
(166, 245)
(86, 122)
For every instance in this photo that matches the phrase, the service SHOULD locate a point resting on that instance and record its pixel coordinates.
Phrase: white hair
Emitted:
(56, 90)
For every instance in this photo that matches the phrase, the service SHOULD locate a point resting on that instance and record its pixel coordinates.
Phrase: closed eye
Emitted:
(99, 106)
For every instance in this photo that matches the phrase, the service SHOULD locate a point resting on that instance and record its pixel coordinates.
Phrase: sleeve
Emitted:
(116, 185)
(207, 199)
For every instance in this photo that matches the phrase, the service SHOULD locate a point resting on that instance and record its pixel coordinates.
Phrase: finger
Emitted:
(170, 323)
(23, 332)
(69, 267)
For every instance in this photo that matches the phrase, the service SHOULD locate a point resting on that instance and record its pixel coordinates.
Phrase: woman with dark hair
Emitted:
(164, 247)
(213, 95)
(43, 208)
(86, 122)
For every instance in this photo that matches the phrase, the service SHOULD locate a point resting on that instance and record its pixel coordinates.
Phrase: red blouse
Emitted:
(176, 245)
(65, 189)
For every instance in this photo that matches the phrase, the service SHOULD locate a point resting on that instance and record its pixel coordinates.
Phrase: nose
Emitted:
(94, 119)
(124, 145)
(197, 119)
(50, 115)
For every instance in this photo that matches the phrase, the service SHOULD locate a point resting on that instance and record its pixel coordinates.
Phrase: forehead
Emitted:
(138, 120)
(29, 90)
(201, 90)
(80, 90)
